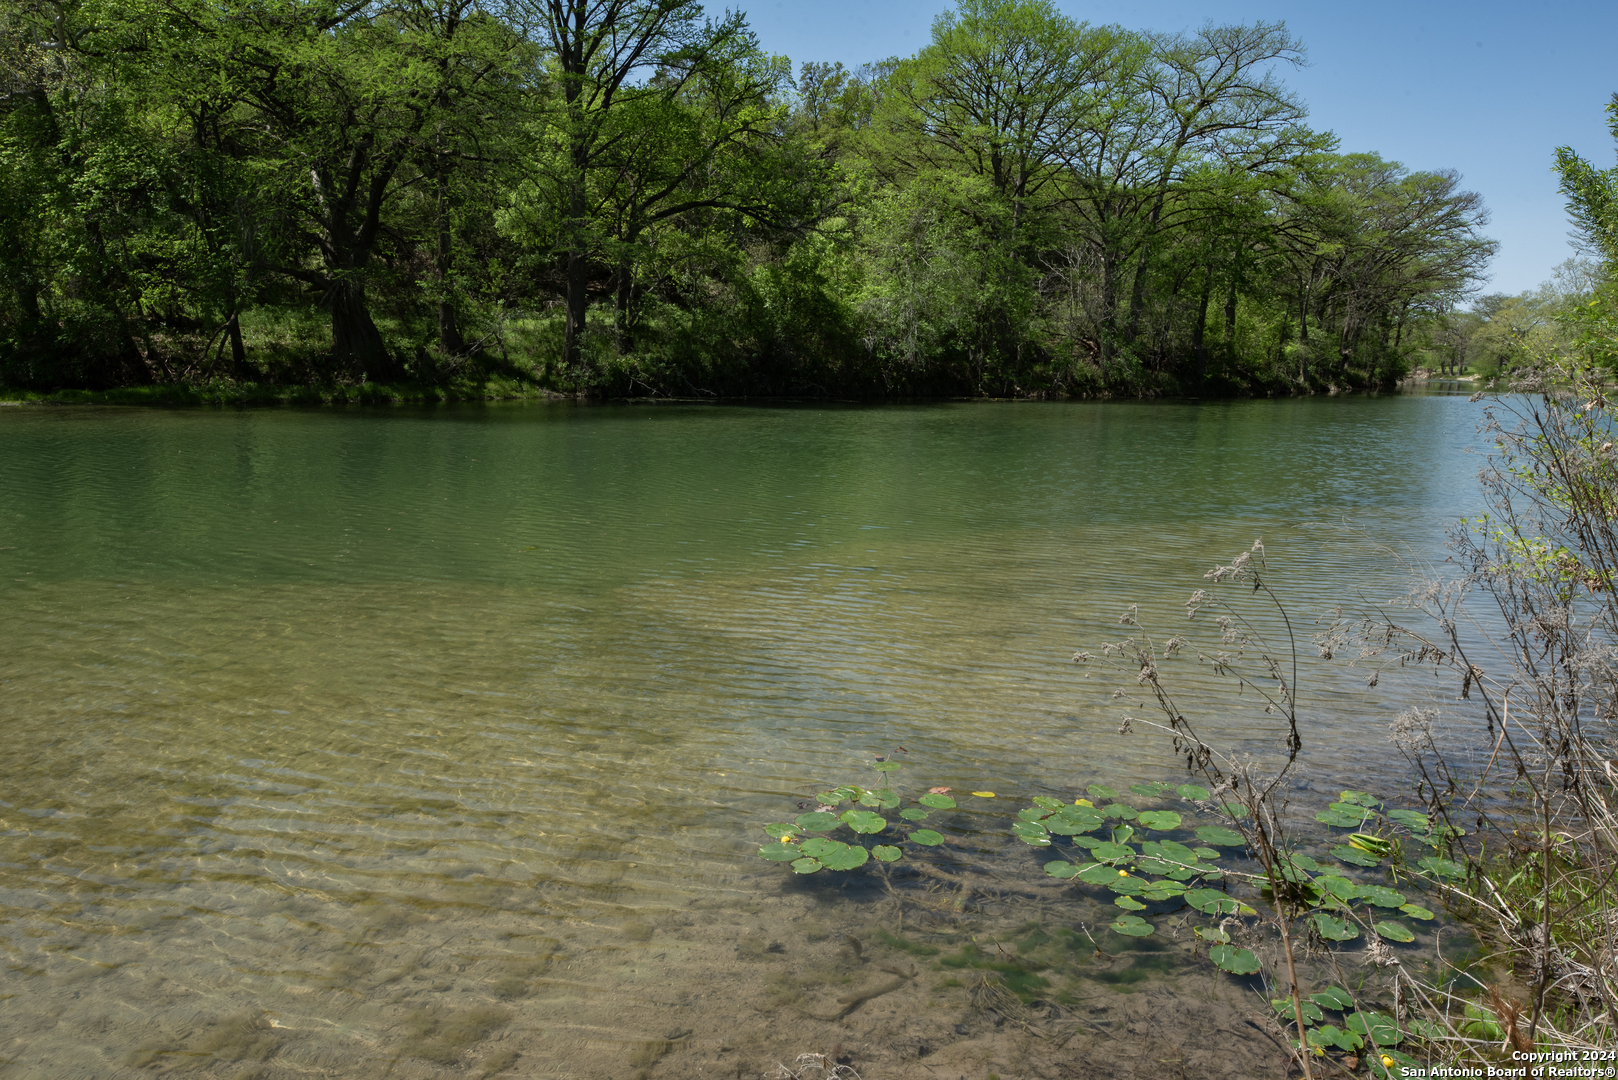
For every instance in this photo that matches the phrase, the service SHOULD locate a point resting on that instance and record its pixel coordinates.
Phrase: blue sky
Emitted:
(1487, 88)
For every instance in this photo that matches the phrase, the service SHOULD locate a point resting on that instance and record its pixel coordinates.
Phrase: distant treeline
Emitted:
(632, 197)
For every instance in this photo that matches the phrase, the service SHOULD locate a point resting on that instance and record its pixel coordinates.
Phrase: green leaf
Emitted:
(886, 798)
(1160, 820)
(1219, 836)
(1032, 832)
(1340, 819)
(1235, 809)
(1121, 811)
(1333, 997)
(887, 852)
(1070, 825)
(1311, 1011)
(1411, 820)
(913, 814)
(1340, 887)
(848, 793)
(1415, 911)
(1193, 792)
(1377, 1027)
(1133, 926)
(1154, 790)
(805, 866)
(847, 859)
(1205, 853)
(870, 798)
(1129, 903)
(1049, 803)
(863, 821)
(1177, 851)
(1062, 870)
(1381, 897)
(1032, 813)
(816, 846)
(1335, 929)
(1121, 834)
(1236, 961)
(1214, 934)
(1097, 874)
(781, 832)
(1126, 885)
(829, 798)
(1331, 1035)
(1442, 868)
(1354, 855)
(1088, 841)
(937, 802)
(1302, 862)
(885, 766)
(779, 852)
(1100, 791)
(1112, 852)
(1210, 901)
(1359, 798)
(1394, 931)
(817, 821)
(927, 837)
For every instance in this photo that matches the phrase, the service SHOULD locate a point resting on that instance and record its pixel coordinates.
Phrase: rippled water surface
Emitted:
(430, 743)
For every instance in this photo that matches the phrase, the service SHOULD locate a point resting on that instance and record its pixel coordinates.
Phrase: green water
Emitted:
(436, 742)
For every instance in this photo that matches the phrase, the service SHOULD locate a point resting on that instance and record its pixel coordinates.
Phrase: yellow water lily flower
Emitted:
(984, 794)
(1083, 802)
(1123, 873)
(1387, 1062)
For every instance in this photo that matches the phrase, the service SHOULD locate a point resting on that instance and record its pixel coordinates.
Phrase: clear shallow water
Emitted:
(436, 742)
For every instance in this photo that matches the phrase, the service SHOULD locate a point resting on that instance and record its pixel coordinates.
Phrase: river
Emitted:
(438, 742)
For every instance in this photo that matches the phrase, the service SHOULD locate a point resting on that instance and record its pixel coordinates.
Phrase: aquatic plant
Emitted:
(806, 842)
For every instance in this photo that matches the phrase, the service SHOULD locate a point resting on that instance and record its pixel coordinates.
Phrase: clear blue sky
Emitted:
(1487, 88)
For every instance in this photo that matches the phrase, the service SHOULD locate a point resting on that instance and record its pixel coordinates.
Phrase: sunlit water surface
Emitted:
(423, 743)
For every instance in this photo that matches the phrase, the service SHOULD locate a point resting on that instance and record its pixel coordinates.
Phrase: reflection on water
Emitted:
(426, 743)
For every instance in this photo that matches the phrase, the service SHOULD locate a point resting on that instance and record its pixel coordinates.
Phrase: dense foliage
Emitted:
(632, 196)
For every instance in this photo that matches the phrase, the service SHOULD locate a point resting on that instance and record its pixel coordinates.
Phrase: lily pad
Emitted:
(1195, 792)
(887, 852)
(1163, 890)
(781, 832)
(1394, 931)
(1070, 825)
(780, 852)
(805, 866)
(1133, 926)
(1126, 885)
(1129, 903)
(1160, 820)
(1205, 853)
(1415, 911)
(1211, 901)
(1096, 874)
(1121, 834)
(1047, 802)
(829, 798)
(1121, 811)
(1111, 852)
(1333, 997)
(847, 792)
(817, 821)
(1359, 798)
(847, 859)
(1340, 887)
(1032, 832)
(885, 766)
(1062, 870)
(1332, 1035)
(816, 846)
(1410, 819)
(1442, 868)
(1311, 1011)
(863, 821)
(886, 798)
(1341, 819)
(1377, 1027)
(1381, 896)
(1100, 791)
(912, 813)
(1214, 934)
(1236, 961)
(1335, 929)
(1154, 790)
(1219, 836)
(927, 837)
(1354, 855)
(937, 802)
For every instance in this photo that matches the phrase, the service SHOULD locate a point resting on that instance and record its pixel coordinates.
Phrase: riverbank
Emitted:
(244, 394)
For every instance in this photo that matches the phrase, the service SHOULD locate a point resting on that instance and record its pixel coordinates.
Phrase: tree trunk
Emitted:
(355, 341)
(449, 332)
(1199, 344)
(1230, 320)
